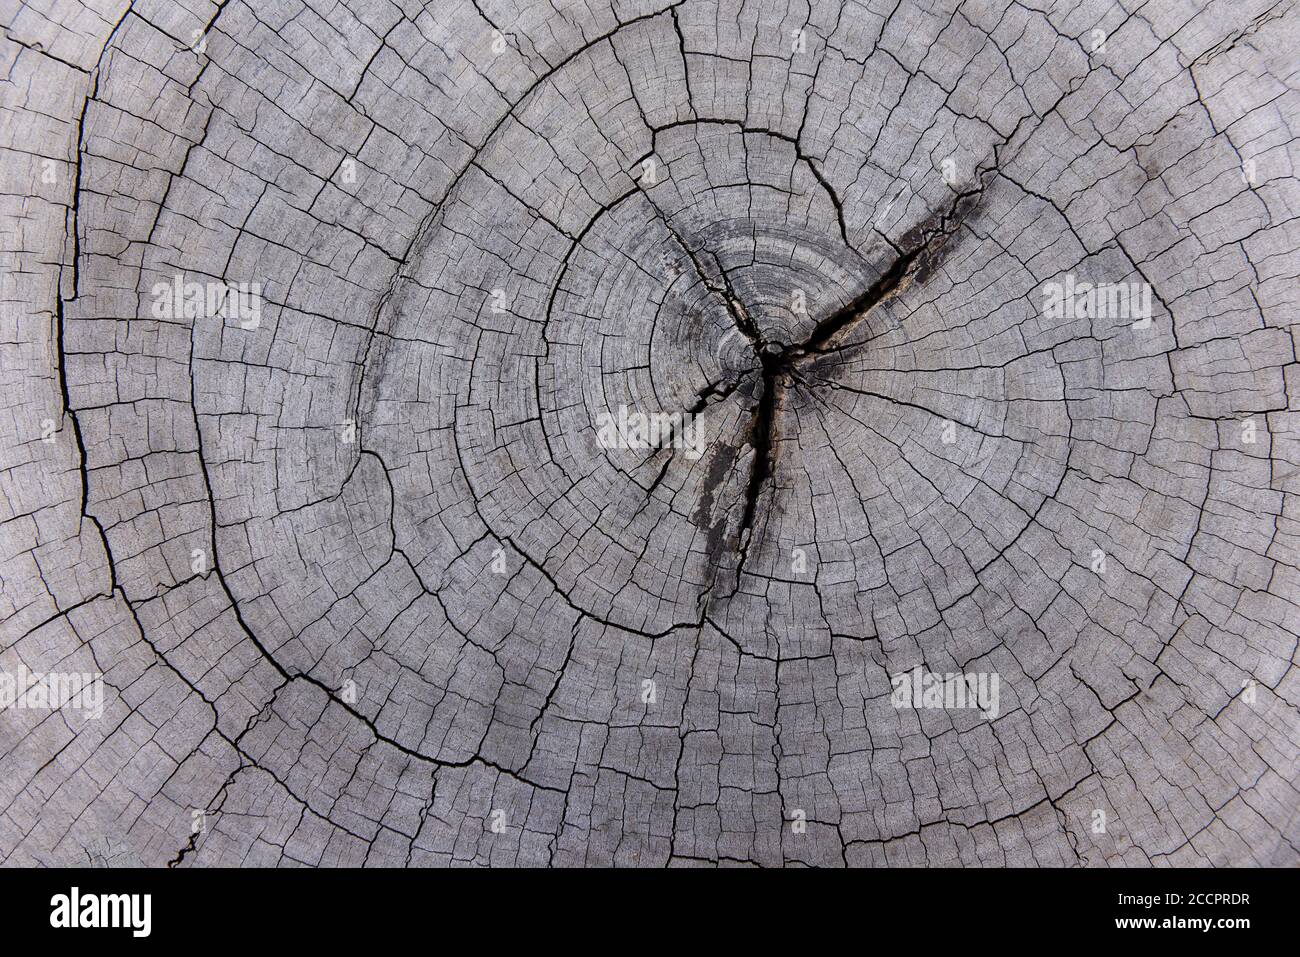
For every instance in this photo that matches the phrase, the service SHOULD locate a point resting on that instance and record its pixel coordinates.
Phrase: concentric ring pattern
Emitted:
(653, 433)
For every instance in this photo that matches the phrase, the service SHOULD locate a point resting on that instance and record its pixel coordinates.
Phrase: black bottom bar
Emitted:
(340, 908)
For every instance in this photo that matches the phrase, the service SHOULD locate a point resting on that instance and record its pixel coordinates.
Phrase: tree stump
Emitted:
(650, 433)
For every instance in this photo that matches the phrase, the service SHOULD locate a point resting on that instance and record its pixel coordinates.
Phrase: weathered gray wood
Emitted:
(376, 568)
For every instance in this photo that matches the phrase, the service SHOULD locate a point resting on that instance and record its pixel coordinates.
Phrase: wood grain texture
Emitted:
(366, 582)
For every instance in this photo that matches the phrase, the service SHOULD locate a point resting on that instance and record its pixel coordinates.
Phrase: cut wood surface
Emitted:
(650, 433)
